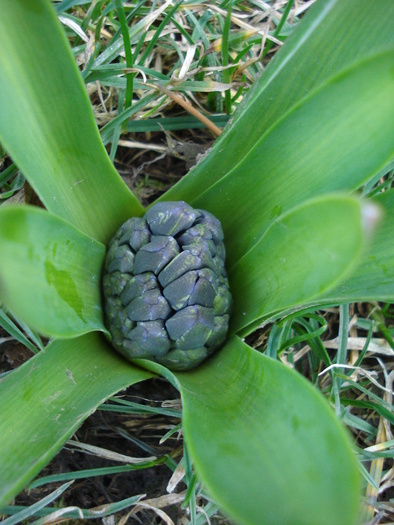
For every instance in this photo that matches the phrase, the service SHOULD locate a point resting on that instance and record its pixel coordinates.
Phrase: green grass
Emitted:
(206, 55)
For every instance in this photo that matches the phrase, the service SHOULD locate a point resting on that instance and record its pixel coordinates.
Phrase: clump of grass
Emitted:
(347, 353)
(159, 104)
(190, 65)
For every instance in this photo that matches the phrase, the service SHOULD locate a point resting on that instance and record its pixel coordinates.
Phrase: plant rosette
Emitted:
(264, 441)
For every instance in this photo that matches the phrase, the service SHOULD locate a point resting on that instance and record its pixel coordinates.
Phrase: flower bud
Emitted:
(165, 286)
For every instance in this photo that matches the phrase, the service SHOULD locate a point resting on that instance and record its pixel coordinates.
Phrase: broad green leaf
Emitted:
(45, 400)
(50, 273)
(335, 139)
(332, 36)
(373, 279)
(47, 124)
(302, 254)
(265, 443)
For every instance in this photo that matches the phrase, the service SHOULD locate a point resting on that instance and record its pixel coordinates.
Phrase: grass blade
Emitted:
(36, 507)
(128, 52)
(9, 325)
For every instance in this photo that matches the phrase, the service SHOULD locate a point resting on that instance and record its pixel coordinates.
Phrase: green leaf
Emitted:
(47, 124)
(45, 400)
(50, 273)
(266, 444)
(302, 254)
(332, 36)
(373, 279)
(335, 139)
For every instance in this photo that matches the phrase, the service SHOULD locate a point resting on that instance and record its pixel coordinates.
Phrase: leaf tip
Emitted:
(371, 215)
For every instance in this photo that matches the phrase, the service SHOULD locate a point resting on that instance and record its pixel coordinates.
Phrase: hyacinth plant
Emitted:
(283, 180)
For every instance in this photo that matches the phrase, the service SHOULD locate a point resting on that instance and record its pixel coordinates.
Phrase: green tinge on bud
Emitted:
(165, 286)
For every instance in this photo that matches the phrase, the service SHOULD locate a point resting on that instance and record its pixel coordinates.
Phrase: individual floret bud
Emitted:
(182, 263)
(200, 248)
(219, 332)
(116, 281)
(165, 286)
(191, 327)
(196, 232)
(156, 254)
(149, 307)
(137, 286)
(178, 292)
(135, 233)
(192, 288)
(178, 359)
(222, 301)
(170, 218)
(148, 339)
(212, 224)
(123, 262)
